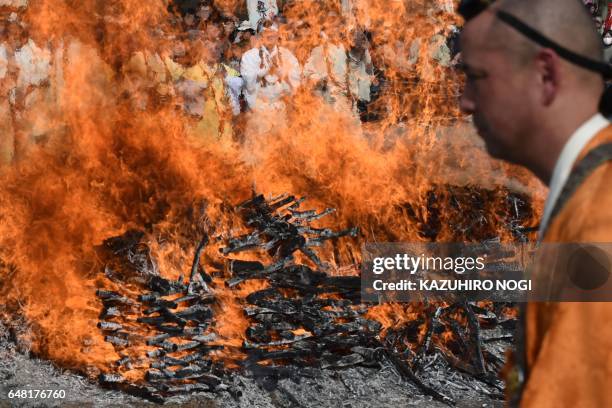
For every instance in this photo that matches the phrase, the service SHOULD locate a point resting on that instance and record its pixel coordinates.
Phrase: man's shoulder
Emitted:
(587, 214)
(604, 136)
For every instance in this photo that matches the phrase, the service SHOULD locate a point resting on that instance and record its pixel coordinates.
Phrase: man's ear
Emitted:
(547, 64)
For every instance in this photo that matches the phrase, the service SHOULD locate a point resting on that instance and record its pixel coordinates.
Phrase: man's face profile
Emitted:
(493, 92)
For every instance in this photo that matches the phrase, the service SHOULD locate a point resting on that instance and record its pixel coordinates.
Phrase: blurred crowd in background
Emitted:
(232, 66)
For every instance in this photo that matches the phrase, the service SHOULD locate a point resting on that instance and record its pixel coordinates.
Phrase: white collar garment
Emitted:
(579, 139)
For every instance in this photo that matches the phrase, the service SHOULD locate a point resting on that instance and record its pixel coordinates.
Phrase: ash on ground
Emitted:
(353, 387)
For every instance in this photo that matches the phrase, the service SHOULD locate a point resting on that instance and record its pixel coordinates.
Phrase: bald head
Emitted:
(526, 99)
(567, 22)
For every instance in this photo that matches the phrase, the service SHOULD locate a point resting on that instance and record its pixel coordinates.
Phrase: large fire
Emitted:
(102, 145)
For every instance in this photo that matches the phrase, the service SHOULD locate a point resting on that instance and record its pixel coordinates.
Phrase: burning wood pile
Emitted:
(173, 319)
(181, 319)
(300, 320)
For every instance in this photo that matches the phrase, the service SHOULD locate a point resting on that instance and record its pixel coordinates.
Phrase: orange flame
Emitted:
(119, 155)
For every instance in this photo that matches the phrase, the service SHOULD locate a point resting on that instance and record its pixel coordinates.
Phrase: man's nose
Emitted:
(466, 104)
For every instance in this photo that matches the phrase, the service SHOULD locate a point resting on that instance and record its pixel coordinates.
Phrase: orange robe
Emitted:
(569, 345)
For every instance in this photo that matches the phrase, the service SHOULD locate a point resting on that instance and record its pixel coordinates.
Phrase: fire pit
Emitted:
(302, 321)
(305, 330)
